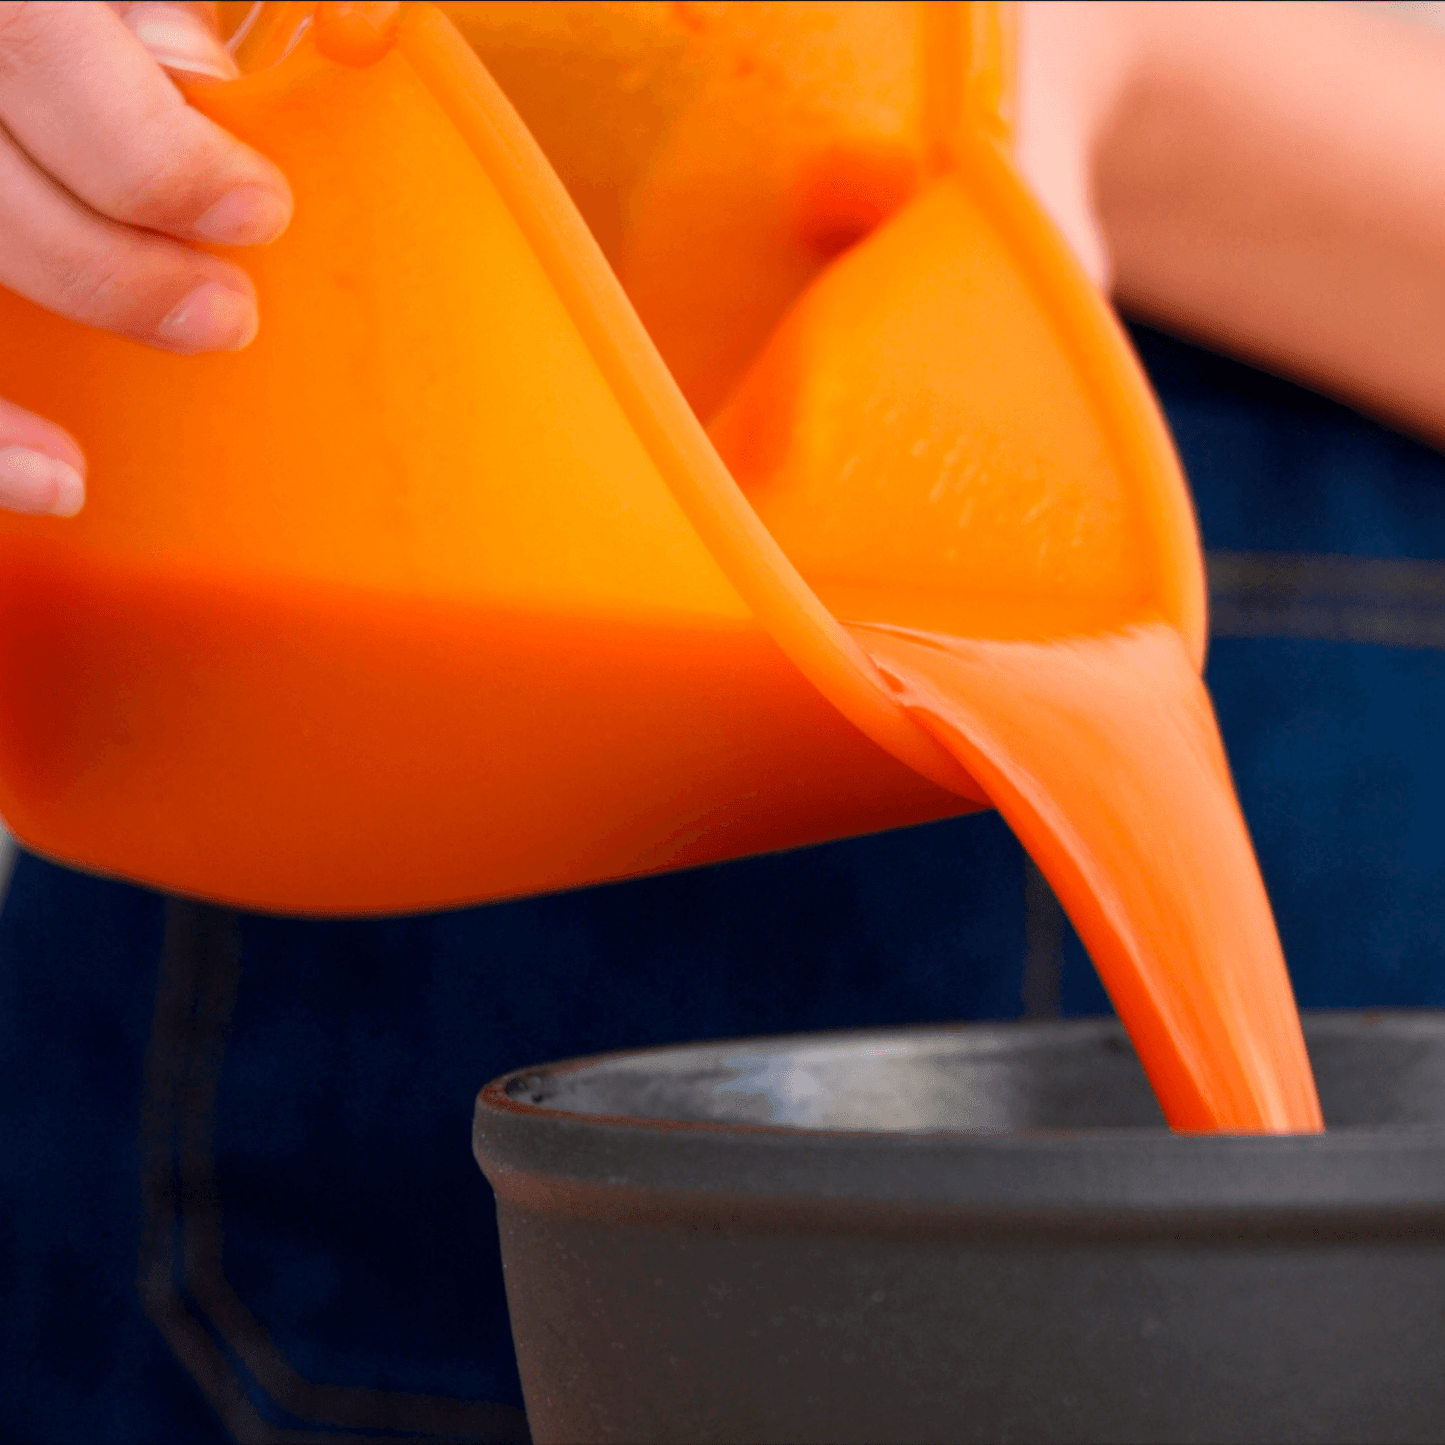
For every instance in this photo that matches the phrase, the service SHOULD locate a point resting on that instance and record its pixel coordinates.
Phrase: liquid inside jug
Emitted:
(439, 593)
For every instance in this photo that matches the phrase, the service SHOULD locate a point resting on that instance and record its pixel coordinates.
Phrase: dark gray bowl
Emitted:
(980, 1233)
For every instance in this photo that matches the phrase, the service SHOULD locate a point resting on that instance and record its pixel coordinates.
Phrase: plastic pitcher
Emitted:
(439, 592)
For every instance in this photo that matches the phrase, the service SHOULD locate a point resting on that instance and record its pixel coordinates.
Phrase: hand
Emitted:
(104, 172)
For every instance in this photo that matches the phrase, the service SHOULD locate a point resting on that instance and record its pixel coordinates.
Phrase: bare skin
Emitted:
(104, 172)
(1264, 177)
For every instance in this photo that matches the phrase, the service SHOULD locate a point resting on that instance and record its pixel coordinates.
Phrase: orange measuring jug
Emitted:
(440, 593)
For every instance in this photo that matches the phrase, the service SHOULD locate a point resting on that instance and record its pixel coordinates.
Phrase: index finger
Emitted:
(87, 102)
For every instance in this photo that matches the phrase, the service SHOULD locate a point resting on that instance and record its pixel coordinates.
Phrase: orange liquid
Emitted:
(954, 447)
(322, 749)
(1102, 753)
(506, 644)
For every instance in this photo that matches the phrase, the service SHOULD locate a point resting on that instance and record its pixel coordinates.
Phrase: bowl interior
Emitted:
(1372, 1069)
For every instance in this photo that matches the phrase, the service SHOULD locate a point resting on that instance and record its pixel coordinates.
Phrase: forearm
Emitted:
(1270, 178)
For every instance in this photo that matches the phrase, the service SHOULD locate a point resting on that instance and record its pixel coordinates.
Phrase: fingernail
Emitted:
(179, 39)
(247, 216)
(211, 318)
(34, 482)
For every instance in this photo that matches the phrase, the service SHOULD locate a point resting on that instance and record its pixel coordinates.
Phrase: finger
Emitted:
(98, 272)
(82, 96)
(41, 468)
(183, 38)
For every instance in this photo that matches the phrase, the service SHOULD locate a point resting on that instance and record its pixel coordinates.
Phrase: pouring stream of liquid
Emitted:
(1103, 755)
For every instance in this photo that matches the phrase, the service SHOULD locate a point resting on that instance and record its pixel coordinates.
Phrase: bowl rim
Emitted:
(1373, 1178)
